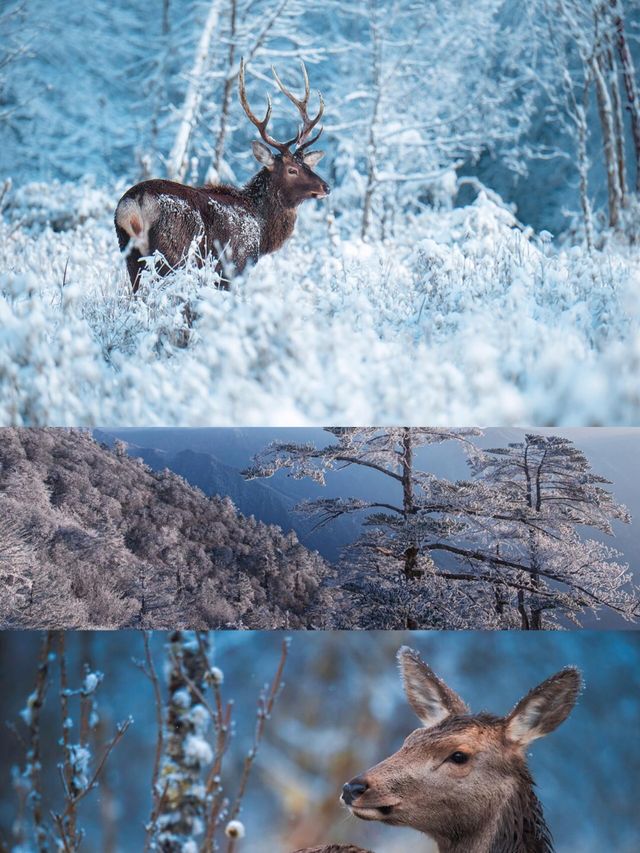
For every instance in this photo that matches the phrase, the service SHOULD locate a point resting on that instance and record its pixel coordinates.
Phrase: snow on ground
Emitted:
(462, 318)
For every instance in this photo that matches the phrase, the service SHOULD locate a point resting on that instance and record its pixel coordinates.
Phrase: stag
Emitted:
(463, 779)
(235, 225)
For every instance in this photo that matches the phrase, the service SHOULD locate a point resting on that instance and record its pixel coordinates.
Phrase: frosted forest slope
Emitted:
(102, 541)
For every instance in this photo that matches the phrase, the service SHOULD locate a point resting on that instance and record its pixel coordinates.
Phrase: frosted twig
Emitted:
(266, 702)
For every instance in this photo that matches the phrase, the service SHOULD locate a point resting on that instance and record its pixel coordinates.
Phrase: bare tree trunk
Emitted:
(583, 168)
(524, 617)
(411, 554)
(618, 121)
(372, 151)
(178, 160)
(228, 87)
(578, 112)
(629, 77)
(166, 26)
(605, 112)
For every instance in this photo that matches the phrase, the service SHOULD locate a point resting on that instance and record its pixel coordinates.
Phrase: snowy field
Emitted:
(467, 317)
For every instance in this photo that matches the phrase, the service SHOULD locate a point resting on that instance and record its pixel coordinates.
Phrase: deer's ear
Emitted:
(312, 158)
(263, 154)
(545, 707)
(428, 695)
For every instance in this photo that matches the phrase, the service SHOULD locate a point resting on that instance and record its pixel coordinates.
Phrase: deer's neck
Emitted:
(519, 827)
(278, 220)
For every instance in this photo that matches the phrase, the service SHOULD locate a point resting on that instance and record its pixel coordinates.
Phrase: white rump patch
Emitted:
(136, 216)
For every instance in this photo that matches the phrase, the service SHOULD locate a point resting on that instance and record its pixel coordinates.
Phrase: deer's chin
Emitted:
(380, 813)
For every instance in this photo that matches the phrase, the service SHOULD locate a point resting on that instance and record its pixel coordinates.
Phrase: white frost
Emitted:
(197, 750)
(465, 318)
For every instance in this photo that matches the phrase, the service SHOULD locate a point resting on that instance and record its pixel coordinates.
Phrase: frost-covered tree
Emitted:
(588, 70)
(388, 451)
(489, 552)
(392, 548)
(506, 548)
(436, 86)
(208, 117)
(542, 490)
(16, 35)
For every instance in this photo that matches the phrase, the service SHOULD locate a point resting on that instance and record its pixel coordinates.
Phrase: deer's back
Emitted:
(218, 217)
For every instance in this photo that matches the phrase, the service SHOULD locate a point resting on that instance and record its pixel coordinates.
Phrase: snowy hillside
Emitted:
(102, 541)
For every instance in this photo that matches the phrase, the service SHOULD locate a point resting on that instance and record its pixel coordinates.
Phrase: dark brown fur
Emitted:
(246, 222)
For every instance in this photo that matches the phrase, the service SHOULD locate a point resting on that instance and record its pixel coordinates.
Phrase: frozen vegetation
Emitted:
(414, 293)
(104, 542)
(466, 317)
(91, 537)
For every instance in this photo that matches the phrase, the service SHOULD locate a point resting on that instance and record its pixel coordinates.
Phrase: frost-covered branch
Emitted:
(193, 808)
(28, 781)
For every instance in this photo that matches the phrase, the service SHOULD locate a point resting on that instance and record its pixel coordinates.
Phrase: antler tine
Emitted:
(302, 104)
(303, 142)
(261, 125)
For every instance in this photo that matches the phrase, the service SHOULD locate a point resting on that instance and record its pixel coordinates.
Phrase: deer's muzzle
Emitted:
(352, 790)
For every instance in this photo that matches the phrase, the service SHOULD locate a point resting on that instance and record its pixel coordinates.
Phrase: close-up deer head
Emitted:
(462, 778)
(291, 169)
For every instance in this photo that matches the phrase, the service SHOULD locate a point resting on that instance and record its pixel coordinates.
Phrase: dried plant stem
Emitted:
(150, 671)
(68, 821)
(33, 766)
(266, 702)
(62, 820)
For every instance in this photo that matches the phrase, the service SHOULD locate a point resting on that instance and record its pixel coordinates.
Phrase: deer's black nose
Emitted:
(353, 789)
(326, 188)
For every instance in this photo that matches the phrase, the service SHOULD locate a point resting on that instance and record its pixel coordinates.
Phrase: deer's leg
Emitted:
(132, 257)
(225, 276)
(134, 268)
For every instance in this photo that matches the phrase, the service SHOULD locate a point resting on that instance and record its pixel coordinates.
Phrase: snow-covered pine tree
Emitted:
(541, 491)
(399, 526)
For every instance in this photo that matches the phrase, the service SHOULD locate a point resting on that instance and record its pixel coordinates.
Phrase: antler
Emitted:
(283, 147)
(302, 139)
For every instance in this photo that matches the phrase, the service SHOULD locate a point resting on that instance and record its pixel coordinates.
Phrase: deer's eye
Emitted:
(293, 171)
(458, 758)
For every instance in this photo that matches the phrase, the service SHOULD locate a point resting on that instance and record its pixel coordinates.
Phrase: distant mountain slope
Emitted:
(103, 541)
(196, 455)
(213, 477)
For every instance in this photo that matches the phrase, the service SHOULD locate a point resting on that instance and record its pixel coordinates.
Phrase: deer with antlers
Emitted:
(463, 779)
(236, 225)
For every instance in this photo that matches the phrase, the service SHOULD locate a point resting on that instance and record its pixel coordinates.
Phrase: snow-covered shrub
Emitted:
(59, 206)
(463, 317)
